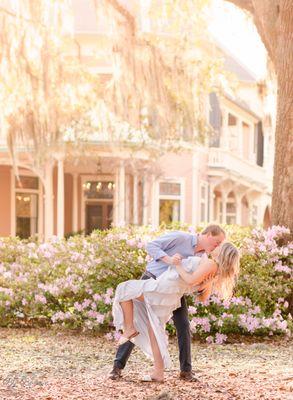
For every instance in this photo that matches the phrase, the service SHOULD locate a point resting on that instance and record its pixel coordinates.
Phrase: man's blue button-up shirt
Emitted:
(167, 245)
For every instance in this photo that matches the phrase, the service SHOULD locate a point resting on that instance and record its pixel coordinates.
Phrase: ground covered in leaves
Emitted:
(48, 365)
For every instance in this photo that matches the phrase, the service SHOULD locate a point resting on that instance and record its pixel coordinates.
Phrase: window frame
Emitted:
(204, 185)
(38, 192)
(181, 198)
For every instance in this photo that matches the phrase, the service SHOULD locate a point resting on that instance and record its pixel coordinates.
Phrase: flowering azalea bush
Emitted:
(71, 282)
(216, 318)
(267, 269)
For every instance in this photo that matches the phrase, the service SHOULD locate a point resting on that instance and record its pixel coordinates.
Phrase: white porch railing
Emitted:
(224, 159)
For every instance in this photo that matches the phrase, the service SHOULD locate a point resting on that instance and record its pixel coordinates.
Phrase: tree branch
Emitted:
(265, 16)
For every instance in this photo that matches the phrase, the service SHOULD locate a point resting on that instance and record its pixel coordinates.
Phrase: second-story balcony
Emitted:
(224, 163)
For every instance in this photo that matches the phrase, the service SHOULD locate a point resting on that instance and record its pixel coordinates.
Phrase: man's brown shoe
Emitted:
(115, 373)
(188, 376)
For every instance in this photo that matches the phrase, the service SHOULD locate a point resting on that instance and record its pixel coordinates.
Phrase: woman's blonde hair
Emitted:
(228, 261)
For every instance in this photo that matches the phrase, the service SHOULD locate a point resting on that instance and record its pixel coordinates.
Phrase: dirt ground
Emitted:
(40, 364)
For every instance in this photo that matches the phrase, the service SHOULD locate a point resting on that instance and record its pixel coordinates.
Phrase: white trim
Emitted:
(228, 200)
(181, 197)
(205, 185)
(145, 200)
(12, 203)
(60, 199)
(41, 210)
(15, 190)
(155, 204)
(194, 183)
(121, 194)
(102, 178)
(75, 202)
(127, 199)
(135, 200)
(49, 209)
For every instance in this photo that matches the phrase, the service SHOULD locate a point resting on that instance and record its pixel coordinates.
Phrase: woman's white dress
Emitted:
(161, 297)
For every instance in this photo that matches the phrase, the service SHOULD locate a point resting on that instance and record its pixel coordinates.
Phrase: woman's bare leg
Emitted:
(129, 328)
(158, 372)
(127, 308)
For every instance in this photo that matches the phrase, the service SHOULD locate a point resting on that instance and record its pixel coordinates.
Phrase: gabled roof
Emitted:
(242, 104)
(234, 65)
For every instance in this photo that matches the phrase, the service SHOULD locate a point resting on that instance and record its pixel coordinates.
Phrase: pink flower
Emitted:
(100, 318)
(40, 299)
(192, 310)
(78, 306)
(107, 300)
(131, 242)
(109, 336)
(117, 335)
(97, 297)
(86, 303)
(220, 338)
(210, 340)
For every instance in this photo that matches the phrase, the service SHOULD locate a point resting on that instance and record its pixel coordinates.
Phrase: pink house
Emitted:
(227, 179)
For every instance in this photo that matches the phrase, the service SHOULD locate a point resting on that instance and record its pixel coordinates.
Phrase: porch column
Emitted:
(121, 197)
(238, 209)
(240, 137)
(225, 138)
(60, 200)
(145, 201)
(252, 155)
(153, 215)
(75, 203)
(211, 203)
(195, 189)
(116, 199)
(224, 208)
(49, 205)
(135, 199)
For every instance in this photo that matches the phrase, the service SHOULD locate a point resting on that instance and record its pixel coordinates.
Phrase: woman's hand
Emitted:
(176, 259)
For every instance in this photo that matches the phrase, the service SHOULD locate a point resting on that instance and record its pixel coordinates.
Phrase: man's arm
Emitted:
(158, 247)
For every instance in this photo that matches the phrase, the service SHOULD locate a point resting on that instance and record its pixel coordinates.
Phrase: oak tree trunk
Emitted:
(274, 22)
(282, 202)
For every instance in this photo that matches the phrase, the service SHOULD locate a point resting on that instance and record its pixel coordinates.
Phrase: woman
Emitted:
(141, 308)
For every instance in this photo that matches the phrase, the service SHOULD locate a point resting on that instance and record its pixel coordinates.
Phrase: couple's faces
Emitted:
(214, 242)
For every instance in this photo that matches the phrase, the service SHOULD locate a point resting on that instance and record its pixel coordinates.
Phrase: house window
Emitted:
(230, 210)
(203, 202)
(97, 202)
(170, 202)
(233, 132)
(232, 120)
(26, 206)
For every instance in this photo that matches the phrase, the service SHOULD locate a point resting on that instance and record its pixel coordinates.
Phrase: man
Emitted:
(164, 251)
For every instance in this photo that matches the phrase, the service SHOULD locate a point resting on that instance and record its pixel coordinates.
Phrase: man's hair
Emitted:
(214, 230)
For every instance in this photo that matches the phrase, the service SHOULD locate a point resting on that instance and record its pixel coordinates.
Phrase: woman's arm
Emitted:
(207, 269)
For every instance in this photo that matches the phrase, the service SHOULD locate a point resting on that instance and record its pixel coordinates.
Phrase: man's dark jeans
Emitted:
(181, 322)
